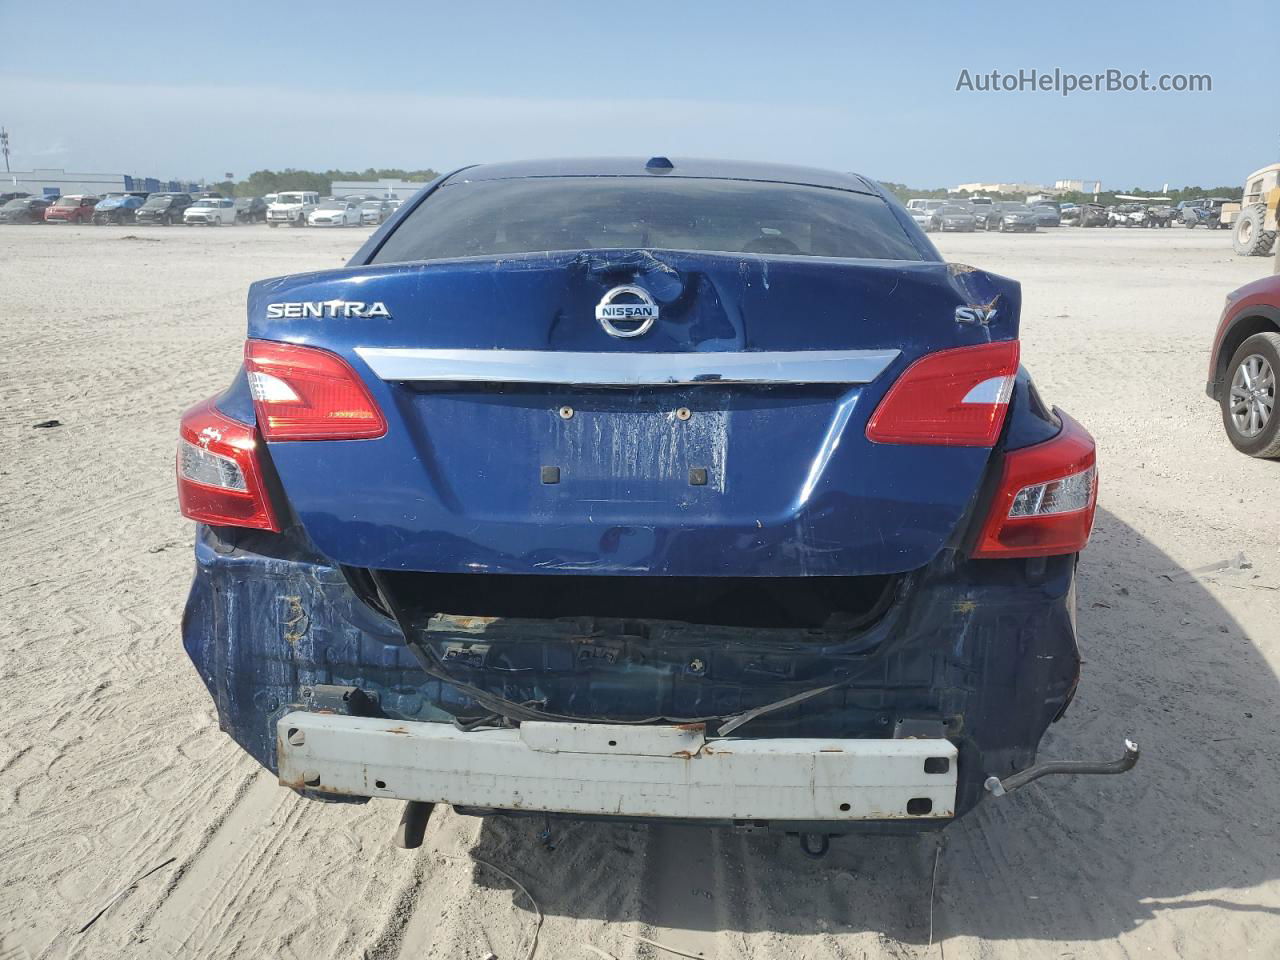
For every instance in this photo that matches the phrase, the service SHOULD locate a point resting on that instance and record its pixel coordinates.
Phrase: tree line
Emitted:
(262, 182)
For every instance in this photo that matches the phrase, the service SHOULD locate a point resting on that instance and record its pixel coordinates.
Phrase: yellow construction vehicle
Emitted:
(1254, 223)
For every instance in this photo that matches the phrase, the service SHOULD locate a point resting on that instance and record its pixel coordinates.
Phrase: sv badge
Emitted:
(982, 315)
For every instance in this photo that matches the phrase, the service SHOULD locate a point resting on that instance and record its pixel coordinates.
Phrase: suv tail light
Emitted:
(1046, 499)
(305, 393)
(954, 398)
(219, 477)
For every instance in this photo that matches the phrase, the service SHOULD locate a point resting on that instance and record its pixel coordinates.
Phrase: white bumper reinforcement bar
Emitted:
(628, 771)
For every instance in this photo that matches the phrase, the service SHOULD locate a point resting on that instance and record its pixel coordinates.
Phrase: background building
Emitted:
(1078, 186)
(383, 189)
(57, 183)
(999, 188)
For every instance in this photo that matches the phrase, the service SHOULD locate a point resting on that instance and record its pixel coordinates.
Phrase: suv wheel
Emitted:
(1249, 397)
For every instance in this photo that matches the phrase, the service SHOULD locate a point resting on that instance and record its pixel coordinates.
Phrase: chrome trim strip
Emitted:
(419, 365)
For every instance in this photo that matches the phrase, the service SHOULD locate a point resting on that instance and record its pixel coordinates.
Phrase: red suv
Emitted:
(1245, 365)
(73, 209)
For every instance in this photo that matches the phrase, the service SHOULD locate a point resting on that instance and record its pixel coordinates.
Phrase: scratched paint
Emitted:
(642, 445)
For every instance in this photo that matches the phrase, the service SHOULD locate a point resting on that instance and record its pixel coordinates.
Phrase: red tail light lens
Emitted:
(954, 398)
(1046, 500)
(219, 478)
(305, 393)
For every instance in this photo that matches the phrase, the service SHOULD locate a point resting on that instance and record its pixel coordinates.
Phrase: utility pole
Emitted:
(4, 147)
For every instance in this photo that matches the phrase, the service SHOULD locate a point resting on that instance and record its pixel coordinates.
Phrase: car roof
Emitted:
(681, 167)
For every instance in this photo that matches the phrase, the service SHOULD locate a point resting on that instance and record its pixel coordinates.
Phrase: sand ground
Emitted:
(111, 761)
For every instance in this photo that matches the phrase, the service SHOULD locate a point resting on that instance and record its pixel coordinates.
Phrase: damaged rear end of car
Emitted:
(691, 492)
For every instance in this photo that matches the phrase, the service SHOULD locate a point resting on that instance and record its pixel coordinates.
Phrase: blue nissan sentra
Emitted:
(662, 489)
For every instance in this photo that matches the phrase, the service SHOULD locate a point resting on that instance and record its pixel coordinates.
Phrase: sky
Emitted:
(863, 86)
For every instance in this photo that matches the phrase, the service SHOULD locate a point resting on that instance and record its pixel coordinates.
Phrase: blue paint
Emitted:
(804, 491)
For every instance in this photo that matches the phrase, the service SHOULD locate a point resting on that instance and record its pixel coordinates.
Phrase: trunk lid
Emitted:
(727, 440)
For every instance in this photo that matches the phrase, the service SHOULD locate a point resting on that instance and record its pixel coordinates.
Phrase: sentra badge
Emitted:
(324, 309)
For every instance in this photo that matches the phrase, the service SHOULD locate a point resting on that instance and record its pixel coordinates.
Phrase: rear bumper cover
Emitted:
(646, 772)
(981, 653)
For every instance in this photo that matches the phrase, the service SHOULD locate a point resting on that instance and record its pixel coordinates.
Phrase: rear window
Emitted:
(542, 214)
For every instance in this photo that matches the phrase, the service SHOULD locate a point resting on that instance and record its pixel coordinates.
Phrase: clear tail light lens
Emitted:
(305, 393)
(219, 476)
(1046, 499)
(955, 398)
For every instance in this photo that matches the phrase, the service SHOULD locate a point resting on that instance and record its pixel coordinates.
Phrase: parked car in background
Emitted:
(1091, 215)
(1244, 366)
(922, 217)
(1205, 211)
(118, 208)
(1161, 215)
(1046, 215)
(292, 207)
(24, 209)
(889, 680)
(986, 215)
(335, 213)
(954, 218)
(211, 212)
(1006, 216)
(374, 211)
(164, 209)
(1009, 216)
(76, 208)
(251, 209)
(12, 195)
(1127, 215)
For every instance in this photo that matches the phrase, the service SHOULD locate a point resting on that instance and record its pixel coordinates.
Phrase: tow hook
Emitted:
(999, 788)
(815, 845)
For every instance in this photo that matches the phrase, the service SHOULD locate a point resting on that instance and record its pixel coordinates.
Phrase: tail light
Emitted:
(305, 393)
(954, 398)
(1046, 499)
(219, 477)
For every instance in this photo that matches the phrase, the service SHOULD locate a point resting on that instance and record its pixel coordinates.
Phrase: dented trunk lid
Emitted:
(727, 440)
